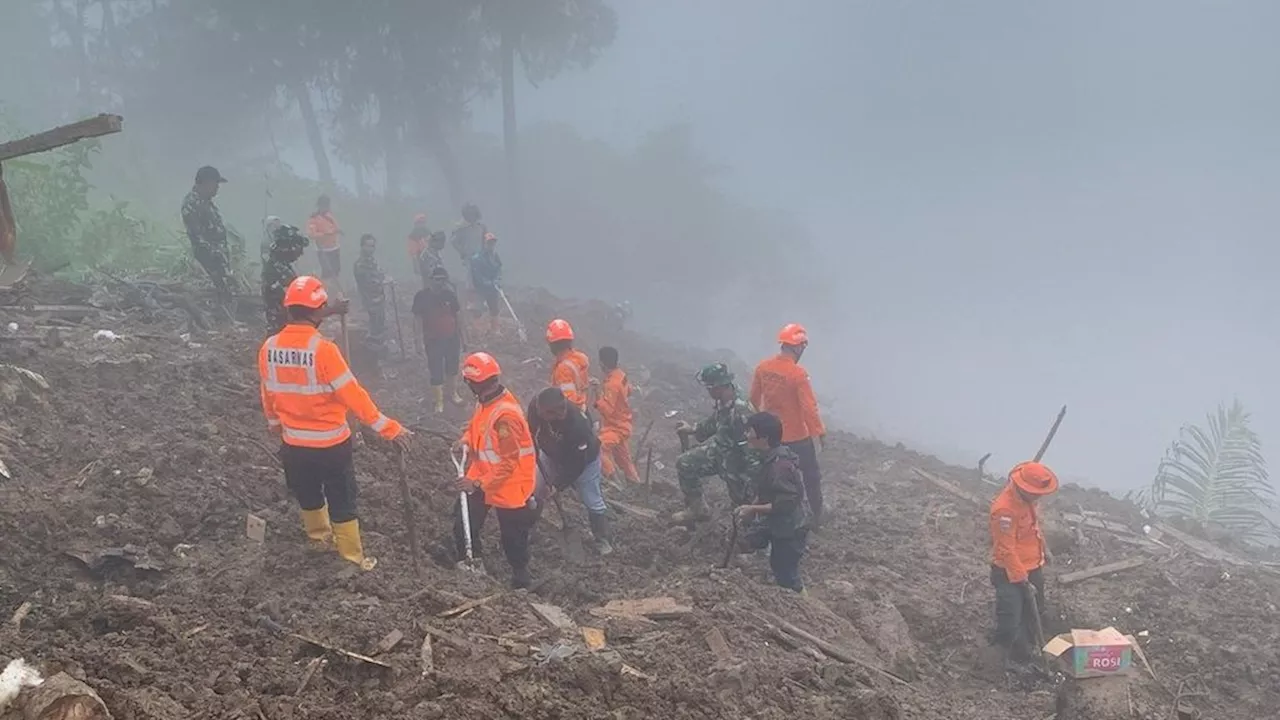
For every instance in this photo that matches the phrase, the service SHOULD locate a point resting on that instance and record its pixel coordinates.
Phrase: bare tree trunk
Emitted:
(315, 136)
(72, 23)
(392, 148)
(362, 190)
(434, 133)
(510, 134)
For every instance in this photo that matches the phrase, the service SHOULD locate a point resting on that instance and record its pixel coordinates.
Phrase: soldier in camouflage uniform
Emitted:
(432, 256)
(208, 235)
(287, 245)
(468, 236)
(723, 450)
(371, 284)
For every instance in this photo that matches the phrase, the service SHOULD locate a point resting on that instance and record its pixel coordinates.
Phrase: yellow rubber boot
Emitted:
(316, 523)
(437, 392)
(346, 536)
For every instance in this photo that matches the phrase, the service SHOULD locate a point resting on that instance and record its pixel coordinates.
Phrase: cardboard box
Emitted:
(1092, 653)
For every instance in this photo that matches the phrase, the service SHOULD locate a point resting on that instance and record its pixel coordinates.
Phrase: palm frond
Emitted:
(1217, 477)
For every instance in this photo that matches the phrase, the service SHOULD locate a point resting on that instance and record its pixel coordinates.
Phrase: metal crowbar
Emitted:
(524, 336)
(464, 505)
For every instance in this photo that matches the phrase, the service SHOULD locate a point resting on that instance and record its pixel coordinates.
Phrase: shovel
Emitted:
(524, 336)
(460, 464)
(395, 312)
(570, 542)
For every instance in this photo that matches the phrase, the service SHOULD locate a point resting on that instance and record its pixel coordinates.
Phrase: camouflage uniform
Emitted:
(468, 239)
(431, 257)
(208, 238)
(277, 272)
(723, 450)
(370, 282)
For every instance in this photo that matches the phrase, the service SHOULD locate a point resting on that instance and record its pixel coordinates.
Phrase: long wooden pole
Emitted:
(62, 135)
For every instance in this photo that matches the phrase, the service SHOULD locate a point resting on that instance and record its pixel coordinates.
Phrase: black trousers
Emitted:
(784, 559)
(808, 455)
(377, 320)
(330, 263)
(442, 358)
(1013, 612)
(514, 526)
(320, 476)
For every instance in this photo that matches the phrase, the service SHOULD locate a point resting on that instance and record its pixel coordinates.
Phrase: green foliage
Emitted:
(60, 226)
(1216, 477)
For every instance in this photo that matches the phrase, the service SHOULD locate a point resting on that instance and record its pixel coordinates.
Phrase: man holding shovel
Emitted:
(500, 469)
(569, 456)
(1017, 558)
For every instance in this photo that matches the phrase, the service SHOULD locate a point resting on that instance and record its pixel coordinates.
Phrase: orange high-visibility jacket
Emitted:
(1017, 545)
(570, 375)
(781, 386)
(323, 231)
(614, 403)
(500, 452)
(307, 390)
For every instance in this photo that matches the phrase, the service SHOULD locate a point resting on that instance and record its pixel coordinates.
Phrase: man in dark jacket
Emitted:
(780, 520)
(440, 330)
(569, 455)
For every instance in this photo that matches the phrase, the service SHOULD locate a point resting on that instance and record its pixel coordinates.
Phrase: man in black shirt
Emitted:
(436, 307)
(781, 517)
(569, 455)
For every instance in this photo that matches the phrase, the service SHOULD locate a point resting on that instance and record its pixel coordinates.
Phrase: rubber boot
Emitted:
(346, 536)
(601, 531)
(316, 523)
(437, 392)
(695, 508)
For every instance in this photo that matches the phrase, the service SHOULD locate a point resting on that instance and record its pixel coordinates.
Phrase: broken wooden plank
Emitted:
(1098, 523)
(654, 608)
(949, 486)
(470, 605)
(1101, 570)
(554, 616)
(449, 638)
(62, 312)
(834, 651)
(1203, 548)
(426, 656)
(719, 646)
(388, 642)
(103, 124)
(630, 509)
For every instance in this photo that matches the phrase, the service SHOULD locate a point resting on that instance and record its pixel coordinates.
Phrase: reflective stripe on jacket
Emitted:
(782, 387)
(307, 390)
(501, 452)
(570, 375)
(1017, 545)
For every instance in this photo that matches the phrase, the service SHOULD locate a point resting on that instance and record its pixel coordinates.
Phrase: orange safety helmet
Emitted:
(480, 366)
(558, 330)
(1034, 478)
(793, 334)
(306, 291)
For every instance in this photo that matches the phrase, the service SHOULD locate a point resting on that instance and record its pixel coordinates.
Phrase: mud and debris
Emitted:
(132, 468)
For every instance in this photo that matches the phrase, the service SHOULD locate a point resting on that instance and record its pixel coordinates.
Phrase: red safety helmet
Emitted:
(793, 334)
(1034, 478)
(306, 291)
(558, 330)
(480, 366)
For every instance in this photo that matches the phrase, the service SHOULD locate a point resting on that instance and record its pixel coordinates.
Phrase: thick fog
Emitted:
(1025, 204)
(982, 210)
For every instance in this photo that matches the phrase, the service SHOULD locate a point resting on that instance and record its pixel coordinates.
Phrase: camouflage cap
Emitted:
(715, 375)
(288, 237)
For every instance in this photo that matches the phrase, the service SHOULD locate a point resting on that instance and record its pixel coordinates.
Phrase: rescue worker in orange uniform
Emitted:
(780, 386)
(324, 232)
(614, 406)
(307, 391)
(571, 370)
(1017, 557)
(500, 470)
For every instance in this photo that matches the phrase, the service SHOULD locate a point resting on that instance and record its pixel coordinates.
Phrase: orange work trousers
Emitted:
(615, 454)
